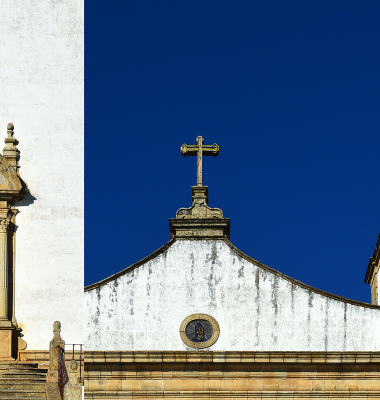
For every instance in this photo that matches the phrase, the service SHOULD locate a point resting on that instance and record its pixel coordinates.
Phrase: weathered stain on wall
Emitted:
(256, 308)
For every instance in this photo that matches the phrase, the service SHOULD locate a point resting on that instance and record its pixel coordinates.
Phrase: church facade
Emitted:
(195, 319)
(200, 319)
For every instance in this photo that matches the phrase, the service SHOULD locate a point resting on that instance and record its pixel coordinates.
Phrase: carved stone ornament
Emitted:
(22, 345)
(199, 220)
(199, 331)
(4, 223)
(199, 209)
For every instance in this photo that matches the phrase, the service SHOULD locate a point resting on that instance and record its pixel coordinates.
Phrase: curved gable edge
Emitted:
(131, 267)
(298, 283)
(242, 255)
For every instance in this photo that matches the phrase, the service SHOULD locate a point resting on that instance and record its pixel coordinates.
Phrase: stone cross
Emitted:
(199, 150)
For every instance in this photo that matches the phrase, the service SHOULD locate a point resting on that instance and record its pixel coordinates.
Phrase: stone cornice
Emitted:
(250, 394)
(199, 228)
(296, 357)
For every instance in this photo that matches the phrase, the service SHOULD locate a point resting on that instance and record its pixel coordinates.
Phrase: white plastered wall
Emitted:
(257, 310)
(42, 93)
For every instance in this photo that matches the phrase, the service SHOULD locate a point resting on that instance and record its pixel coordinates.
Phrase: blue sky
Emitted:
(289, 90)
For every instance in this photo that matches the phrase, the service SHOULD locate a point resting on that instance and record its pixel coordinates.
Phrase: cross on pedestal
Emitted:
(199, 150)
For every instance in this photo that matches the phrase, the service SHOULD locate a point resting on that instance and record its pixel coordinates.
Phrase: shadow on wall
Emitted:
(26, 201)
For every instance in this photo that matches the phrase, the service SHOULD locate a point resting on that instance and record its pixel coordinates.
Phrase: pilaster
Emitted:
(12, 189)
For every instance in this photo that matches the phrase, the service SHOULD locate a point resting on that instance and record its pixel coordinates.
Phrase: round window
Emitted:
(199, 331)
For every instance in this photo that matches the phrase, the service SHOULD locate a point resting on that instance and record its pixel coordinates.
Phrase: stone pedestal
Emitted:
(52, 377)
(199, 220)
(57, 341)
(6, 343)
(73, 390)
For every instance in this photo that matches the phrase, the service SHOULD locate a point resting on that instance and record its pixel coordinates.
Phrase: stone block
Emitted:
(270, 384)
(364, 384)
(173, 385)
(192, 384)
(153, 385)
(227, 384)
(211, 384)
(351, 385)
(304, 385)
(240, 384)
(329, 385)
(318, 385)
(113, 385)
(255, 384)
(287, 384)
(131, 385)
(6, 344)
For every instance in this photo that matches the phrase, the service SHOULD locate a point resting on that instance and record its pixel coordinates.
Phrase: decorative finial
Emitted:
(10, 151)
(199, 150)
(56, 326)
(199, 220)
(73, 365)
(54, 343)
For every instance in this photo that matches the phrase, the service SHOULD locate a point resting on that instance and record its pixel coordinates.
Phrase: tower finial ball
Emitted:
(10, 127)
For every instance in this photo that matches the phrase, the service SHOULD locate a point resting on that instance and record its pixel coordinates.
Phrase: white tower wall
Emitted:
(42, 93)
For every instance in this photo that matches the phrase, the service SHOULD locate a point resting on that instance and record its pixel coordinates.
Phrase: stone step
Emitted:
(15, 364)
(22, 381)
(29, 375)
(22, 394)
(37, 387)
(23, 371)
(29, 367)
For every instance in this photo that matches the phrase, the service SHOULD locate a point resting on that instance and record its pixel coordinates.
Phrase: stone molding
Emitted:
(230, 375)
(4, 224)
(271, 357)
(212, 394)
(199, 228)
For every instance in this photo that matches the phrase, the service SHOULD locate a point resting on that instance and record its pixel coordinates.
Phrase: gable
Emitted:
(257, 308)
